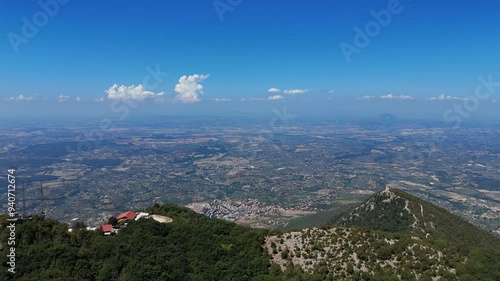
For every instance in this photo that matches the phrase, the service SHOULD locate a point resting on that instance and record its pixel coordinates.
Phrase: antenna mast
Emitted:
(24, 199)
(42, 204)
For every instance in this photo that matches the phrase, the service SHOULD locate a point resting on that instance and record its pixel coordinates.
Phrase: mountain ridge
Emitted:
(392, 233)
(416, 216)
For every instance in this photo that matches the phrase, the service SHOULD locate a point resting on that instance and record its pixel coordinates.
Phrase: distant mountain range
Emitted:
(391, 236)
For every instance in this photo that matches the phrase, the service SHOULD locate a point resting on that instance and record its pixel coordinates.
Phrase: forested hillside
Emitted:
(192, 247)
(376, 241)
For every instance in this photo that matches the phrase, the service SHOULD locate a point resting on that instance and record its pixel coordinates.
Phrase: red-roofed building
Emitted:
(127, 216)
(106, 229)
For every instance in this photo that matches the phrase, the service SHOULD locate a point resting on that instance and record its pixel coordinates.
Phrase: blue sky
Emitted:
(426, 49)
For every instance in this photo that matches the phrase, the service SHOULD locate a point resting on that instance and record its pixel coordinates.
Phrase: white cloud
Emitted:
(20, 98)
(78, 99)
(275, 97)
(101, 99)
(274, 90)
(330, 92)
(387, 97)
(295, 91)
(220, 99)
(401, 97)
(445, 97)
(62, 98)
(251, 99)
(130, 92)
(189, 89)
